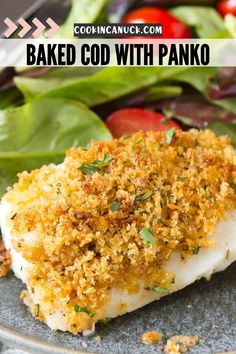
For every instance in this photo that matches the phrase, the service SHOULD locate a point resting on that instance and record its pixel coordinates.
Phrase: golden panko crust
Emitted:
(112, 215)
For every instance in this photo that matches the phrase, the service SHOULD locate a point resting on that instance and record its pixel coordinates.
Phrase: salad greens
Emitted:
(39, 133)
(104, 86)
(82, 11)
(205, 21)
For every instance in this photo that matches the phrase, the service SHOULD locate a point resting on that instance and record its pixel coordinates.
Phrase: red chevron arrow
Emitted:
(54, 28)
(25, 27)
(11, 27)
(39, 28)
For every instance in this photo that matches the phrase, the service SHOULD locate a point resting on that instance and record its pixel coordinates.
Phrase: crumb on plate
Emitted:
(152, 337)
(181, 344)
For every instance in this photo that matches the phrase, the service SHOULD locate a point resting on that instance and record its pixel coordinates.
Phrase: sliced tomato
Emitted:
(172, 26)
(227, 7)
(131, 120)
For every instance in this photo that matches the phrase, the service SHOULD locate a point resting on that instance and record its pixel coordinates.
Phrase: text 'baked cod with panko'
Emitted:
(121, 224)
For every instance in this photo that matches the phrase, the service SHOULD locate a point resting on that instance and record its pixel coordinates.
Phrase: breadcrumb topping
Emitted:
(112, 215)
(181, 344)
(152, 337)
(5, 260)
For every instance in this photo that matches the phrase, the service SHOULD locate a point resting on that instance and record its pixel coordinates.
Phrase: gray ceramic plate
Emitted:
(207, 309)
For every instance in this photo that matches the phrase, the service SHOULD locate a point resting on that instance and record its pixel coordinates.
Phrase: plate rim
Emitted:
(24, 342)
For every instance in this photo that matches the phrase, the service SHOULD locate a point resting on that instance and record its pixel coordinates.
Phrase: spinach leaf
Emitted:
(39, 133)
(161, 92)
(106, 85)
(82, 11)
(205, 21)
(224, 128)
(200, 78)
(230, 23)
(10, 98)
(57, 77)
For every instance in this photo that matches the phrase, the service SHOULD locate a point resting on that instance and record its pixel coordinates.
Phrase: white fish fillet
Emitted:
(204, 264)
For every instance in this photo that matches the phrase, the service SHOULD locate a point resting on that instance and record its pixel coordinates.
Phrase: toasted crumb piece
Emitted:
(5, 260)
(151, 337)
(181, 344)
(98, 339)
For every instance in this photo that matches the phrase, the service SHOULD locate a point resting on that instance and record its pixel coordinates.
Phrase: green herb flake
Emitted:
(173, 281)
(96, 165)
(32, 290)
(115, 206)
(104, 162)
(89, 169)
(58, 188)
(196, 250)
(160, 221)
(161, 291)
(125, 136)
(36, 310)
(105, 321)
(147, 236)
(137, 142)
(145, 196)
(182, 178)
(212, 200)
(169, 135)
(78, 308)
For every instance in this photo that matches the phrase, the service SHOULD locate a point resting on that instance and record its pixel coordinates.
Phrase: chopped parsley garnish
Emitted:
(196, 250)
(58, 188)
(137, 142)
(212, 199)
(169, 135)
(89, 169)
(182, 178)
(160, 290)
(125, 136)
(104, 162)
(32, 290)
(173, 281)
(160, 221)
(145, 196)
(115, 206)
(146, 234)
(96, 165)
(78, 308)
(105, 321)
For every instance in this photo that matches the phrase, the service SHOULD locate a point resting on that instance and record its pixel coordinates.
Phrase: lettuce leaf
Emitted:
(82, 11)
(193, 109)
(39, 133)
(205, 21)
(230, 23)
(224, 128)
(57, 77)
(105, 86)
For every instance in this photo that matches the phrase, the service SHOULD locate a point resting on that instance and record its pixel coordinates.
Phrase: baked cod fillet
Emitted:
(121, 224)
